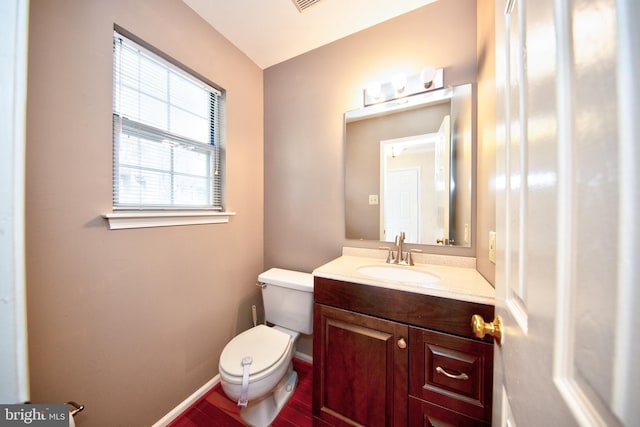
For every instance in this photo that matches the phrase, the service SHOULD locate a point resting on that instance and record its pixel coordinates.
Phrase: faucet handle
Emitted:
(389, 254)
(409, 257)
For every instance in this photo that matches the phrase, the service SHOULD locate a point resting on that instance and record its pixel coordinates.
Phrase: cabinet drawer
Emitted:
(451, 371)
(427, 414)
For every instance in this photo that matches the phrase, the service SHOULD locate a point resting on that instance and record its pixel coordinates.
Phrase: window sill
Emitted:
(142, 219)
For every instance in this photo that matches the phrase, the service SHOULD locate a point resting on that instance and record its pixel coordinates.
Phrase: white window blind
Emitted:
(166, 134)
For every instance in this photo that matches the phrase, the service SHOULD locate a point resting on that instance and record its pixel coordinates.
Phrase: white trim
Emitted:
(516, 300)
(507, 415)
(625, 368)
(142, 219)
(576, 392)
(523, 184)
(518, 311)
(585, 413)
(186, 404)
(563, 353)
(304, 357)
(14, 364)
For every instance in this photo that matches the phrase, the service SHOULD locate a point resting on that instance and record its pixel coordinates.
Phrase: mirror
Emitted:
(408, 167)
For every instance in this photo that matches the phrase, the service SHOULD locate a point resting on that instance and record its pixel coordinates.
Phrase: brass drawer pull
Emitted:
(462, 376)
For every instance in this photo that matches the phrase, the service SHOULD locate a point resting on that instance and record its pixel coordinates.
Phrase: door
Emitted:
(401, 203)
(567, 200)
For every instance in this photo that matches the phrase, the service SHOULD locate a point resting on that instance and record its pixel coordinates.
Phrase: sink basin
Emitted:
(405, 274)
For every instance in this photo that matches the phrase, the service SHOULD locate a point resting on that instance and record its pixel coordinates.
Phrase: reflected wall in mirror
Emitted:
(408, 167)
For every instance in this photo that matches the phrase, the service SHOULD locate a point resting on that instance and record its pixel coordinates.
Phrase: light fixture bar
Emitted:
(378, 93)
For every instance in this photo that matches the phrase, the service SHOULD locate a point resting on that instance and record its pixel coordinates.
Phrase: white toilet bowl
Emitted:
(271, 378)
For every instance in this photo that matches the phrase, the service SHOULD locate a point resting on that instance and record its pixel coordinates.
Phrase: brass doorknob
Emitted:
(481, 328)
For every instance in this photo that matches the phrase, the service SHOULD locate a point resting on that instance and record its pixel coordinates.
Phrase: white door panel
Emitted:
(567, 240)
(401, 204)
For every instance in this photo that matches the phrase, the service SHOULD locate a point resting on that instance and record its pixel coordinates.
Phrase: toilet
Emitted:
(256, 367)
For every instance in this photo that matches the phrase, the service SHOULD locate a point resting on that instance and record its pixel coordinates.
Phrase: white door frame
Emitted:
(14, 387)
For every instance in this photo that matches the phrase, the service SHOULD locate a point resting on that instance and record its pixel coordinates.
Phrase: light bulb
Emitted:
(427, 75)
(399, 82)
(374, 90)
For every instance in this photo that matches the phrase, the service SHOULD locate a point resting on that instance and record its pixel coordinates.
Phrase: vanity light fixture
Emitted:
(430, 78)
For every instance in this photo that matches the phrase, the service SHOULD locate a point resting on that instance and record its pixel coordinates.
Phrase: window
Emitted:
(167, 144)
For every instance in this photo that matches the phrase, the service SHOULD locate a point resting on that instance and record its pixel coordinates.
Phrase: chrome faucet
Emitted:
(399, 256)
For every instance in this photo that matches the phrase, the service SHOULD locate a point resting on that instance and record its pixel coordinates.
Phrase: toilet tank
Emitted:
(288, 299)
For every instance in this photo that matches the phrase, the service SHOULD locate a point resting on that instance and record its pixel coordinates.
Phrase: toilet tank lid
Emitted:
(288, 279)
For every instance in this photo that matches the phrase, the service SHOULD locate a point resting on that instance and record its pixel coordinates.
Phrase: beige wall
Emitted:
(305, 99)
(129, 322)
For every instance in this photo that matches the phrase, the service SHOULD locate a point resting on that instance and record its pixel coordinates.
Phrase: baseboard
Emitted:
(189, 401)
(304, 357)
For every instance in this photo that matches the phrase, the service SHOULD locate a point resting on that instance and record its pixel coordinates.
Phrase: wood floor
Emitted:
(215, 409)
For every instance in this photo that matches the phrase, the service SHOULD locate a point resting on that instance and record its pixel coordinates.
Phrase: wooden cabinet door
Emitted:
(359, 369)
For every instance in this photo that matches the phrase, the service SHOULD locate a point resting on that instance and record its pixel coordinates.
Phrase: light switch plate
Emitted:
(492, 246)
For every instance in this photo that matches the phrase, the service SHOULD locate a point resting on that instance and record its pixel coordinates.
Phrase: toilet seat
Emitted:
(266, 346)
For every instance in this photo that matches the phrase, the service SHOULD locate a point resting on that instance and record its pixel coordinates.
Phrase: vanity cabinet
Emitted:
(386, 357)
(363, 367)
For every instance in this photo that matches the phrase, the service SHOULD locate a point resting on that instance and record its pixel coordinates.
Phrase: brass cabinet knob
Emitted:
(481, 328)
(402, 343)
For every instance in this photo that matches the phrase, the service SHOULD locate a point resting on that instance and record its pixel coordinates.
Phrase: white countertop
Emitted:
(458, 277)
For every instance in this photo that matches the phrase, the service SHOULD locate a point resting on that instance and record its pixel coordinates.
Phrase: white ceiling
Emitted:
(272, 31)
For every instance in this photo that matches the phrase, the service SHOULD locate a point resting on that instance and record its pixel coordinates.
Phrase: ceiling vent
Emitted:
(302, 5)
